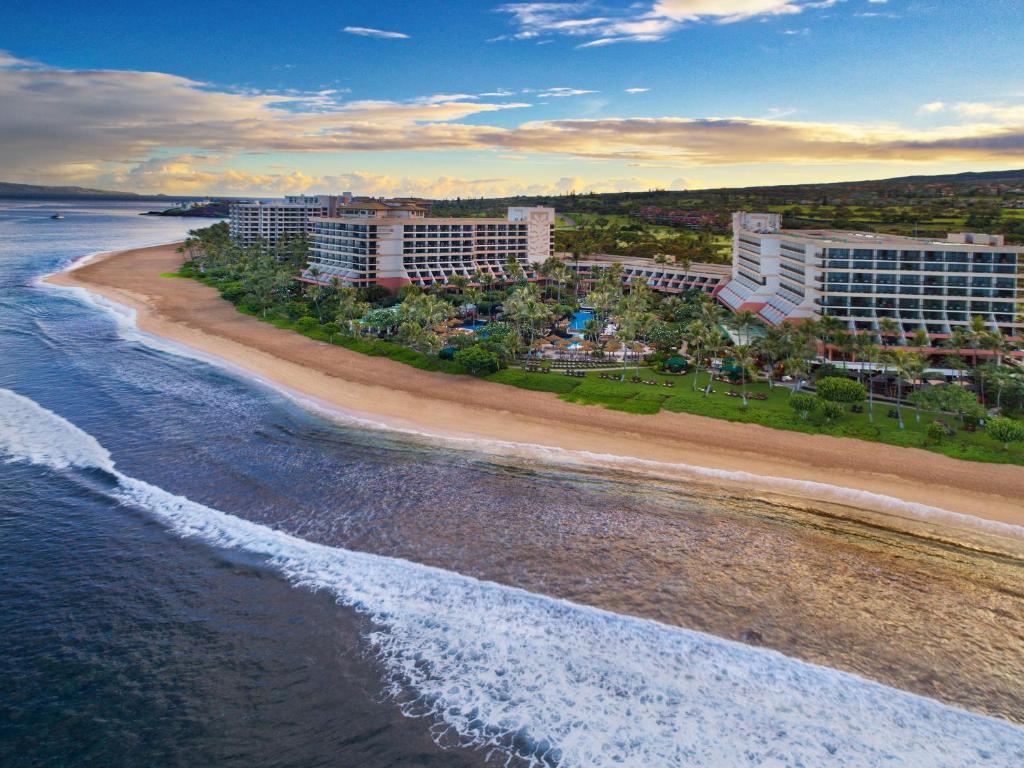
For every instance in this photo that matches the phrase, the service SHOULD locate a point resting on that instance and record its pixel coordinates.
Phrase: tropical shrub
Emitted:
(935, 433)
(950, 398)
(1005, 431)
(825, 411)
(296, 309)
(836, 389)
(675, 364)
(307, 323)
(233, 291)
(477, 360)
(803, 403)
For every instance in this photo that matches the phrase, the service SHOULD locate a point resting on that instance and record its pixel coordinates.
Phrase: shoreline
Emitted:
(384, 393)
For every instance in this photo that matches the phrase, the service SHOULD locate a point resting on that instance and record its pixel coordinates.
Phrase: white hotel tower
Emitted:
(269, 221)
(394, 243)
(861, 277)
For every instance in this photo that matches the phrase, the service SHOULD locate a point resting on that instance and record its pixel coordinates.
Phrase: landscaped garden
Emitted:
(643, 353)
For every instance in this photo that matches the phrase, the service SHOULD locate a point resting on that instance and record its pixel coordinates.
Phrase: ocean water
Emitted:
(198, 571)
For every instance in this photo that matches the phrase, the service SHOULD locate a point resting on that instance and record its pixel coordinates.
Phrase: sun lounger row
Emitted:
(636, 380)
(750, 395)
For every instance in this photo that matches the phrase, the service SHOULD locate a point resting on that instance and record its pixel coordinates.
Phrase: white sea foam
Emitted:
(563, 683)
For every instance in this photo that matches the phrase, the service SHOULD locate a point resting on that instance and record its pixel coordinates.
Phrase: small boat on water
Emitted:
(57, 216)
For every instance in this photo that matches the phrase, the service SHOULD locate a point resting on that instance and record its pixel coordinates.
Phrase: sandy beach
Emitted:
(194, 315)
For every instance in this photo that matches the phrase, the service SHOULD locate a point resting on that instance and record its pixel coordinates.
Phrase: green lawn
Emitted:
(645, 399)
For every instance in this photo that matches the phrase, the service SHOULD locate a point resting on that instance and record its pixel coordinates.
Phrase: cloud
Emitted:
(978, 110)
(148, 128)
(378, 33)
(728, 11)
(637, 90)
(740, 140)
(561, 92)
(1001, 113)
(640, 22)
(53, 117)
(571, 19)
(189, 174)
(10, 61)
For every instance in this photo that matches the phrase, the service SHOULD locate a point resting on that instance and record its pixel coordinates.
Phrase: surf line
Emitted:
(552, 681)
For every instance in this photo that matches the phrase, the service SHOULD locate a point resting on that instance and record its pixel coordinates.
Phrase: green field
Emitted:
(721, 243)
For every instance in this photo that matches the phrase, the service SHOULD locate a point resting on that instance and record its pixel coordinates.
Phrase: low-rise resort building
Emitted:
(921, 284)
(663, 278)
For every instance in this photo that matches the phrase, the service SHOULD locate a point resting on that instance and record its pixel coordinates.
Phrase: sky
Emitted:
(446, 98)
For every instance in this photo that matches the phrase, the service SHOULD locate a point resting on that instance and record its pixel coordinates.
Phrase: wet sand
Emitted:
(194, 315)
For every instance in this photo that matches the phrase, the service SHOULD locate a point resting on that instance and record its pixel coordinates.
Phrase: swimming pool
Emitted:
(579, 320)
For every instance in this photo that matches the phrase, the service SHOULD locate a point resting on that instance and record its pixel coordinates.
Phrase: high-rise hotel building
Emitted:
(861, 277)
(393, 243)
(270, 221)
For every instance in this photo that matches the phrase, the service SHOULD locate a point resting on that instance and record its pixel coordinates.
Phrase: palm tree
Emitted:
(695, 334)
(349, 309)
(921, 339)
(561, 275)
(742, 321)
(798, 367)
(910, 366)
(514, 270)
(887, 329)
(871, 352)
(473, 298)
(828, 330)
(996, 343)
(847, 345)
(775, 345)
(670, 308)
(638, 354)
(708, 311)
(613, 345)
(627, 333)
(459, 282)
(976, 333)
(526, 310)
(957, 364)
(603, 301)
(743, 357)
(1002, 380)
(714, 345)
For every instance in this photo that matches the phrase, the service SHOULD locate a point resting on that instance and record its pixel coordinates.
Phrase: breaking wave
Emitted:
(552, 682)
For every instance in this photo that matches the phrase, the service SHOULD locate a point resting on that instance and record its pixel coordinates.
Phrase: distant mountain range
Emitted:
(969, 177)
(9, 190)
